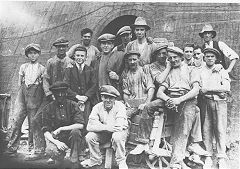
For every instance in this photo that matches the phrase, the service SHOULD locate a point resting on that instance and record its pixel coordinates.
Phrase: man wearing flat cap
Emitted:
(107, 122)
(106, 42)
(215, 86)
(29, 97)
(116, 62)
(61, 123)
(141, 44)
(92, 51)
(208, 34)
(182, 84)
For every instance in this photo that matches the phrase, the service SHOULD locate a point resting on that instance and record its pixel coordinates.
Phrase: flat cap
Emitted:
(160, 40)
(109, 90)
(160, 46)
(106, 37)
(125, 29)
(32, 46)
(212, 50)
(176, 50)
(132, 52)
(59, 86)
(62, 41)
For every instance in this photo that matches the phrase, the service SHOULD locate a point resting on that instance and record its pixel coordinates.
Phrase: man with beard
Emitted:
(215, 86)
(208, 34)
(92, 51)
(116, 62)
(141, 44)
(182, 84)
(107, 122)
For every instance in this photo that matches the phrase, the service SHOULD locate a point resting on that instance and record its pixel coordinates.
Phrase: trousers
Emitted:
(118, 140)
(27, 103)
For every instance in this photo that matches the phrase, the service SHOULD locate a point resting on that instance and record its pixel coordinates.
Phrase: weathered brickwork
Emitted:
(178, 22)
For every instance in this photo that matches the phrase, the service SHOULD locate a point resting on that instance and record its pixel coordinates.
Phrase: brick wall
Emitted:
(178, 22)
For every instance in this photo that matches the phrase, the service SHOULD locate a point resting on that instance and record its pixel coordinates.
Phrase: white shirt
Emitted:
(31, 72)
(227, 51)
(82, 66)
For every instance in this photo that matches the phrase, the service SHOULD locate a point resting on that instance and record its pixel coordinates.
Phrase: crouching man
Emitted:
(62, 122)
(107, 122)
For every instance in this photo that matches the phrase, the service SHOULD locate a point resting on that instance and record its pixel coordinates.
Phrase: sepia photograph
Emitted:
(119, 84)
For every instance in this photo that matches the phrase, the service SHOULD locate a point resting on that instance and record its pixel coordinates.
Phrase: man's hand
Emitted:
(117, 128)
(113, 75)
(168, 64)
(141, 106)
(82, 98)
(204, 90)
(175, 101)
(217, 68)
(57, 131)
(61, 146)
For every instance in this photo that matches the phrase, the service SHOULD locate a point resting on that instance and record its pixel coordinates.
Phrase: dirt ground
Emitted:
(133, 162)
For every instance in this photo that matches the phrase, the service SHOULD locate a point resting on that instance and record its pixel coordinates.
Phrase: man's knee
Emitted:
(90, 137)
(76, 133)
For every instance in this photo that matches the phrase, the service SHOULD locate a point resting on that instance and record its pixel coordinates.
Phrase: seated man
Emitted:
(62, 122)
(107, 122)
(182, 84)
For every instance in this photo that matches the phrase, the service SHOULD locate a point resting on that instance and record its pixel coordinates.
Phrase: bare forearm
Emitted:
(161, 77)
(95, 126)
(232, 63)
(49, 136)
(191, 94)
(150, 95)
(72, 127)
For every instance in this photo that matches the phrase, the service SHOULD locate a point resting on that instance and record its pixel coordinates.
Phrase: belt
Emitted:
(177, 93)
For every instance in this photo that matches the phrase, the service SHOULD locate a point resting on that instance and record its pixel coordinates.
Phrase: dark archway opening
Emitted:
(116, 24)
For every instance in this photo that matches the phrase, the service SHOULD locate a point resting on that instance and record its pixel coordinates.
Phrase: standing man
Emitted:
(62, 122)
(188, 54)
(29, 98)
(100, 63)
(116, 62)
(215, 86)
(141, 44)
(208, 34)
(107, 122)
(92, 51)
(182, 84)
(82, 81)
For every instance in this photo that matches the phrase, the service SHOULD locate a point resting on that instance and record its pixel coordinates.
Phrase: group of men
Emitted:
(81, 98)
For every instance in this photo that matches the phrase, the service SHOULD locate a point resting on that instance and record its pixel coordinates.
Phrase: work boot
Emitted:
(197, 149)
(90, 163)
(208, 163)
(34, 156)
(222, 163)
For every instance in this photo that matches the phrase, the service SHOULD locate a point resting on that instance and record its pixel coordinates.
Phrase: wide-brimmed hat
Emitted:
(140, 21)
(109, 90)
(32, 46)
(62, 41)
(106, 37)
(212, 50)
(208, 28)
(125, 29)
(176, 50)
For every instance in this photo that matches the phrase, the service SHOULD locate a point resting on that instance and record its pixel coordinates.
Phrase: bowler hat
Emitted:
(140, 21)
(212, 50)
(106, 37)
(132, 52)
(125, 29)
(207, 28)
(109, 90)
(62, 41)
(32, 46)
(59, 86)
(175, 49)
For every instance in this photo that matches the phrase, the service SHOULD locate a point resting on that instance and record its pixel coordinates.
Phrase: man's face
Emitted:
(133, 61)
(188, 53)
(80, 57)
(106, 46)
(126, 38)
(198, 57)
(140, 32)
(33, 55)
(207, 36)
(86, 39)
(61, 50)
(108, 101)
(210, 58)
(174, 59)
(161, 56)
(60, 95)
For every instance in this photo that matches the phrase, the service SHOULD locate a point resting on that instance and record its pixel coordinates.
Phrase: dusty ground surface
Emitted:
(133, 162)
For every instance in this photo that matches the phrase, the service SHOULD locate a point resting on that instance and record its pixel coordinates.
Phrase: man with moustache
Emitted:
(92, 51)
(107, 122)
(208, 35)
(141, 44)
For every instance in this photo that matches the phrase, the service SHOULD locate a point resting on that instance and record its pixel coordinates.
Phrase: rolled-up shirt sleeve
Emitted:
(227, 51)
